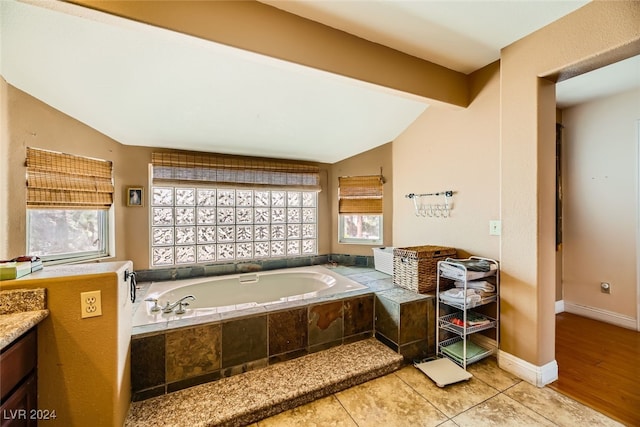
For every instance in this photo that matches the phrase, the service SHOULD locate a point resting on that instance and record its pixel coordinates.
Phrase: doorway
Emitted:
(600, 184)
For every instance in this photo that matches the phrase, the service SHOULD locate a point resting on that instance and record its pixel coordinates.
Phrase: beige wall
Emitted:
(601, 204)
(83, 364)
(367, 163)
(595, 35)
(452, 149)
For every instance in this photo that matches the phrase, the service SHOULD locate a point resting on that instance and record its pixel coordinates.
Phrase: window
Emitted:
(207, 225)
(360, 210)
(68, 203)
(67, 233)
(214, 208)
(363, 229)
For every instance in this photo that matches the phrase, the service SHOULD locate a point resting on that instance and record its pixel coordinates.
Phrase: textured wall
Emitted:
(452, 149)
(595, 35)
(601, 204)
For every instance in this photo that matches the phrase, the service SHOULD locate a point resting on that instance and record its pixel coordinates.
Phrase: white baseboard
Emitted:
(602, 315)
(536, 375)
(560, 306)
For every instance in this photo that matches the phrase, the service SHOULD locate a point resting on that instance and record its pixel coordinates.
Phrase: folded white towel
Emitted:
(451, 271)
(456, 273)
(482, 285)
(459, 293)
(470, 299)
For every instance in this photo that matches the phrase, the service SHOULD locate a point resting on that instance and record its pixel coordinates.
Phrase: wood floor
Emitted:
(599, 366)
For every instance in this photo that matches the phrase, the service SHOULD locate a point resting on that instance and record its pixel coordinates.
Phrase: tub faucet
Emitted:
(155, 307)
(181, 303)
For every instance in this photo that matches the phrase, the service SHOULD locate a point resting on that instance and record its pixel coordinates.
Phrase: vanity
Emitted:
(21, 310)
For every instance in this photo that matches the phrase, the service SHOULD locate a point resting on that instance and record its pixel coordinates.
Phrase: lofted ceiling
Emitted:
(147, 86)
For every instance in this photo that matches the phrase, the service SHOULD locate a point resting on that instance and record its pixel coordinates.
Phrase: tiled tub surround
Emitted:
(165, 360)
(174, 359)
(252, 396)
(405, 321)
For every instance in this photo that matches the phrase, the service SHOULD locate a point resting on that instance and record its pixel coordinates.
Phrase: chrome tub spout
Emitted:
(181, 303)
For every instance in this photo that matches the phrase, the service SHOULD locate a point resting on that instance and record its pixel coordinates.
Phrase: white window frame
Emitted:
(359, 241)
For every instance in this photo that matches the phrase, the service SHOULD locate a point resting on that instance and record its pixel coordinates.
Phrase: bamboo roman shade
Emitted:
(360, 194)
(64, 181)
(187, 168)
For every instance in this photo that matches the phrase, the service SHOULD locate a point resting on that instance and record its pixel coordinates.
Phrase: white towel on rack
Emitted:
(482, 285)
(459, 293)
(453, 272)
(470, 299)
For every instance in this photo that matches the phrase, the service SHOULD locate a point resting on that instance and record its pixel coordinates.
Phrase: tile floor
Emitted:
(407, 397)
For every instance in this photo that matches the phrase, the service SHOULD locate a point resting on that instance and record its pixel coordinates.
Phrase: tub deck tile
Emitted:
(254, 395)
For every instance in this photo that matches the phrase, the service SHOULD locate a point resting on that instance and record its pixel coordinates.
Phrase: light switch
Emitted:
(495, 227)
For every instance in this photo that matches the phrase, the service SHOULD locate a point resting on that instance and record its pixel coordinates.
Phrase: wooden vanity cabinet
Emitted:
(18, 382)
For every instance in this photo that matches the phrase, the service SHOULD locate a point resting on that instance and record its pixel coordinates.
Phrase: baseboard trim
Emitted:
(559, 306)
(602, 315)
(536, 375)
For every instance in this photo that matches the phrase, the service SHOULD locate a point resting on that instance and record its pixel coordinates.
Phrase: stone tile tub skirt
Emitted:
(249, 397)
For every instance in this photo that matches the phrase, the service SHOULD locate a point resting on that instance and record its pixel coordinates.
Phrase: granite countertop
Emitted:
(20, 310)
(14, 325)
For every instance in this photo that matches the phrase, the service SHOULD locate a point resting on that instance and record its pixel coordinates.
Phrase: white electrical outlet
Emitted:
(91, 304)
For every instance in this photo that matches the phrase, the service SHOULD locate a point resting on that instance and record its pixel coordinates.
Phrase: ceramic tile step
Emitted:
(246, 398)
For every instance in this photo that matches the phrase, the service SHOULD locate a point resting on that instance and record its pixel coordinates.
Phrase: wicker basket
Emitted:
(415, 268)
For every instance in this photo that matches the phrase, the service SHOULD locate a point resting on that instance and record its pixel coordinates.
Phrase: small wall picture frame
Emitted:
(135, 196)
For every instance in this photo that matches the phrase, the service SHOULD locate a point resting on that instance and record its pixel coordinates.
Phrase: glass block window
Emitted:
(206, 225)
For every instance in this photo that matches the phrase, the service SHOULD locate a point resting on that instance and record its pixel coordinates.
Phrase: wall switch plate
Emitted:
(91, 304)
(495, 227)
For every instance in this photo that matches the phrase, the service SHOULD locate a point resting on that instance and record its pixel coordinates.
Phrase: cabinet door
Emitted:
(16, 362)
(18, 409)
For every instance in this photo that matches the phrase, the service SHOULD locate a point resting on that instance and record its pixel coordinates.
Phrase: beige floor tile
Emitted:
(557, 407)
(488, 371)
(389, 402)
(322, 412)
(452, 399)
(501, 410)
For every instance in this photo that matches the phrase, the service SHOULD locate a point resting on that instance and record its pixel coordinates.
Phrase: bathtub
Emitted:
(241, 291)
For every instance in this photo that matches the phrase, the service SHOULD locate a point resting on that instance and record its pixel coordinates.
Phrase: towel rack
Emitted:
(437, 210)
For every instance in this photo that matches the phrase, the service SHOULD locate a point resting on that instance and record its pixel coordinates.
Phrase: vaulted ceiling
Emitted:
(149, 86)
